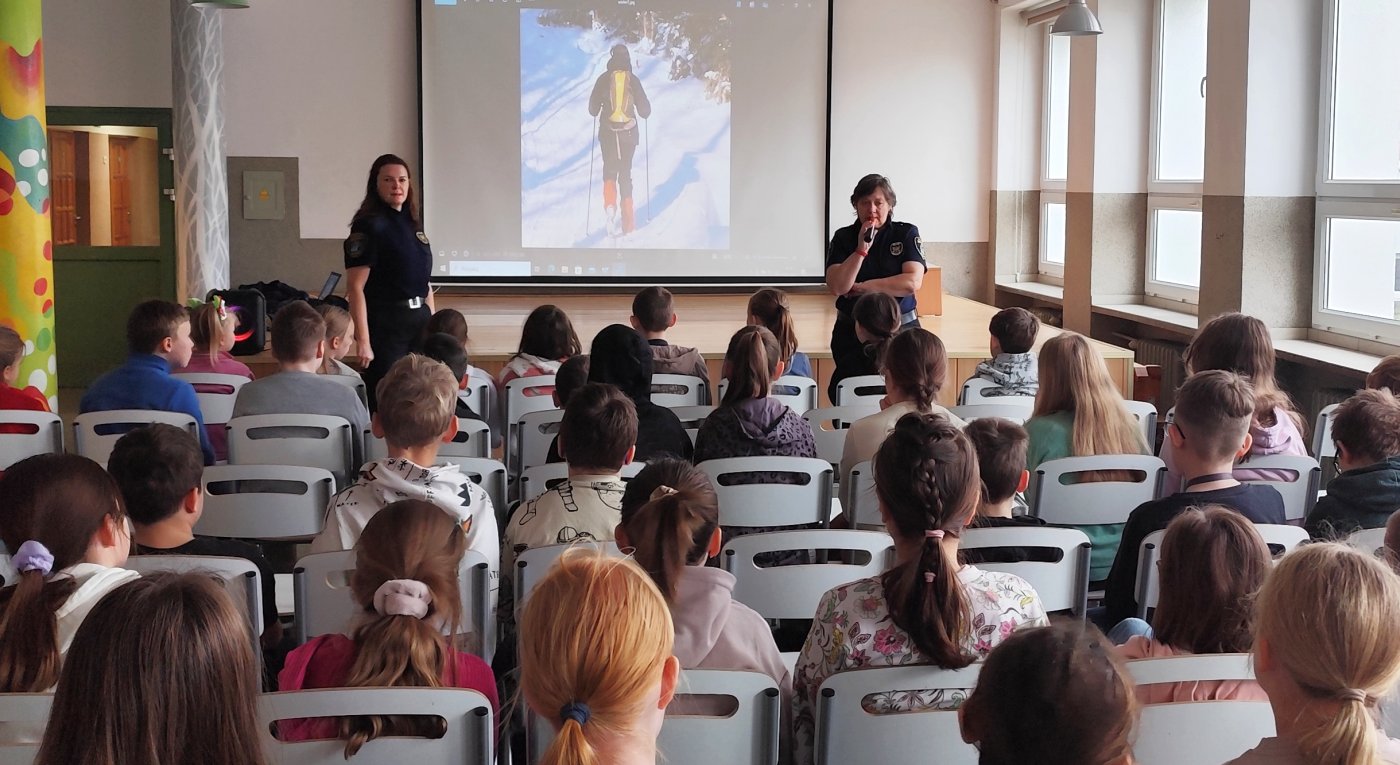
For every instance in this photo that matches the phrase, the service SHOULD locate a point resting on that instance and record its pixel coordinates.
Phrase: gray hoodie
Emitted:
(1015, 374)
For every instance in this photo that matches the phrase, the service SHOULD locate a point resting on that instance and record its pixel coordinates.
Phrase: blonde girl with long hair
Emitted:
(1239, 343)
(596, 661)
(406, 584)
(340, 338)
(1325, 652)
(212, 328)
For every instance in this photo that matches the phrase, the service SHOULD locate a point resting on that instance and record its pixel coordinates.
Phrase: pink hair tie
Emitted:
(403, 597)
(929, 577)
(934, 534)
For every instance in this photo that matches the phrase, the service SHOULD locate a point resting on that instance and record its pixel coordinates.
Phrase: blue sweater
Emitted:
(144, 382)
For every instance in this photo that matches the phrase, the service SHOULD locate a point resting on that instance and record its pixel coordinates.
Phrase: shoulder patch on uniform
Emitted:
(422, 237)
(355, 246)
(919, 245)
(897, 249)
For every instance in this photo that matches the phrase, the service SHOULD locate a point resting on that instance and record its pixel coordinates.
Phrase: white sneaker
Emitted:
(614, 221)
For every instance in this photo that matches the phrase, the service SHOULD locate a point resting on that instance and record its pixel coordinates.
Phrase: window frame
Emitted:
(1044, 266)
(1341, 322)
(1327, 98)
(1178, 293)
(1048, 183)
(1154, 184)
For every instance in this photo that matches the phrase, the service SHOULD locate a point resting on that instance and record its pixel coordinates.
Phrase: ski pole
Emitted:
(588, 215)
(646, 149)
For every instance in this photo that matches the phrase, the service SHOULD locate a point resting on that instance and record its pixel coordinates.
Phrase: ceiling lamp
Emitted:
(1076, 20)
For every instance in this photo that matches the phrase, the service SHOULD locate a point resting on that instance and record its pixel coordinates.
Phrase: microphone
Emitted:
(870, 234)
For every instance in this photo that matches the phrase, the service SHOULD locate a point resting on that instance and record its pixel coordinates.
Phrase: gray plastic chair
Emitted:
(47, 437)
(23, 711)
(672, 391)
(1299, 494)
(269, 502)
(1093, 503)
(692, 417)
(861, 390)
(98, 446)
(307, 440)
(524, 395)
(974, 391)
(216, 406)
(1063, 585)
(540, 478)
(1369, 541)
(534, 563)
(1149, 577)
(861, 504)
(239, 575)
(771, 504)
(829, 428)
(1168, 734)
(1009, 408)
(534, 433)
(793, 591)
(847, 733)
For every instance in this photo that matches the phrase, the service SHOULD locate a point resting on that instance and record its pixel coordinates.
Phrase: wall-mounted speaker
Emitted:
(250, 308)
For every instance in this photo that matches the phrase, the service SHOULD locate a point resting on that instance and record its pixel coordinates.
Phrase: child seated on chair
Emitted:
(877, 319)
(158, 468)
(1210, 432)
(1001, 462)
(573, 374)
(299, 345)
(157, 342)
(769, 308)
(406, 585)
(1366, 429)
(212, 329)
(416, 402)
(444, 348)
(654, 312)
(546, 340)
(340, 338)
(1013, 364)
(12, 398)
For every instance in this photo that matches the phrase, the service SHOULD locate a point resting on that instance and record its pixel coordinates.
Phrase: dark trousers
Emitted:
(393, 329)
(618, 148)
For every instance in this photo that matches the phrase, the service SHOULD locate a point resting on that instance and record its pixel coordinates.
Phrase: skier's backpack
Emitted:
(620, 108)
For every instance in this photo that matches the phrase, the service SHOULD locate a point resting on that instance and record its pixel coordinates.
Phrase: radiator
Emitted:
(1166, 355)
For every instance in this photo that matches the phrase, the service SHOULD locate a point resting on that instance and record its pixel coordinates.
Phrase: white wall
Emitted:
(912, 91)
(332, 82)
(104, 53)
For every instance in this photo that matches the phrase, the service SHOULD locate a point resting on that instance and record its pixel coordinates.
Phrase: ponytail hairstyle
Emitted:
(878, 314)
(1341, 652)
(770, 308)
(1061, 692)
(412, 540)
(1074, 378)
(927, 482)
(670, 525)
(917, 364)
(596, 636)
(1213, 562)
(60, 501)
(1239, 343)
(208, 321)
(177, 683)
(751, 364)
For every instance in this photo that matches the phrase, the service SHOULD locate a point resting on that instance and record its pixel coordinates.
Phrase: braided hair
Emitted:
(926, 479)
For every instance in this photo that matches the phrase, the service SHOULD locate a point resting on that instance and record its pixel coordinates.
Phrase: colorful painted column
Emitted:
(26, 235)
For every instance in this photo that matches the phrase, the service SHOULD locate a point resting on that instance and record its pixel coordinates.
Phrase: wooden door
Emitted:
(119, 154)
(64, 187)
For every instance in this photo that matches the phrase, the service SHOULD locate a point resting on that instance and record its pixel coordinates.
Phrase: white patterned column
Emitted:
(201, 164)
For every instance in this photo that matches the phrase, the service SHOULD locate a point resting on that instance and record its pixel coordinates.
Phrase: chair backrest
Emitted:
(771, 504)
(692, 417)
(490, 475)
(1099, 502)
(847, 732)
(525, 395)
(469, 738)
(1297, 478)
(1171, 733)
(799, 393)
(1150, 553)
(829, 427)
(353, 382)
(215, 393)
(274, 502)
(1007, 410)
(974, 391)
(1369, 541)
(1062, 585)
(793, 591)
(541, 478)
(325, 605)
(46, 438)
(1145, 412)
(677, 390)
(306, 440)
(95, 433)
(860, 390)
(22, 711)
(535, 431)
(1323, 447)
(534, 563)
(861, 504)
(473, 441)
(239, 575)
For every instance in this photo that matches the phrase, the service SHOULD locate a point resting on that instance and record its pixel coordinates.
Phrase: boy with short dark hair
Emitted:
(1001, 461)
(299, 345)
(654, 312)
(158, 469)
(444, 348)
(572, 375)
(1210, 433)
(1013, 364)
(1366, 429)
(157, 343)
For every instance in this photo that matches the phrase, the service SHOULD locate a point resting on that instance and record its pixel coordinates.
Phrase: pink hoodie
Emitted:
(1280, 438)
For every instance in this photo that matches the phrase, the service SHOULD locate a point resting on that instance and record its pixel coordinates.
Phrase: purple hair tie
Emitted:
(33, 556)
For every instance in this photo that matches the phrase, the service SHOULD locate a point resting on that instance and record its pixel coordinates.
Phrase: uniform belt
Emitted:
(411, 303)
(908, 317)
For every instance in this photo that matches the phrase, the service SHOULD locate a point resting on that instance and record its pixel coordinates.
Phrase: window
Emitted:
(1054, 155)
(1178, 150)
(1357, 267)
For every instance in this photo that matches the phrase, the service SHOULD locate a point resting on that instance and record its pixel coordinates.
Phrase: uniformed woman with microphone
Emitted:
(387, 265)
(874, 254)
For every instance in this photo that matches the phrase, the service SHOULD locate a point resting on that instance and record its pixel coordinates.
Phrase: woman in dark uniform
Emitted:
(874, 254)
(387, 264)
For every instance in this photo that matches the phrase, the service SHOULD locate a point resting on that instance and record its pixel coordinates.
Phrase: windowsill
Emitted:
(1313, 353)
(1161, 318)
(1050, 293)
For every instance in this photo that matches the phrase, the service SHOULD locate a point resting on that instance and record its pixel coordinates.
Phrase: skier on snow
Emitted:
(618, 96)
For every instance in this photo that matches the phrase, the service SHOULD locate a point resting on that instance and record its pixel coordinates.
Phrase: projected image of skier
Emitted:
(624, 129)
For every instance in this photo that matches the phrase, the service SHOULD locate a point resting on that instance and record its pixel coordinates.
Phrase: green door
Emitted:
(114, 229)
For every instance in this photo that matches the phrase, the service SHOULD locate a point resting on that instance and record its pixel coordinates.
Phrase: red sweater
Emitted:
(28, 399)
